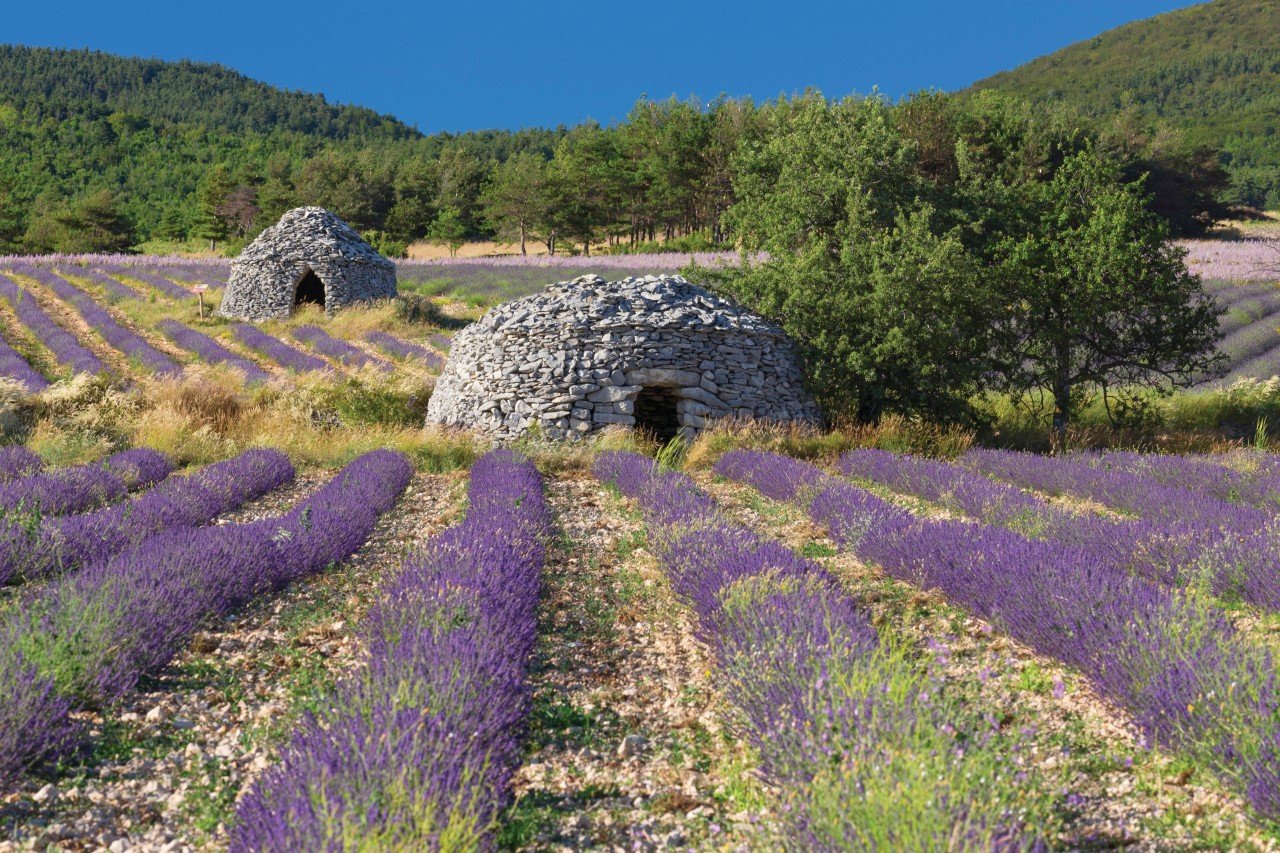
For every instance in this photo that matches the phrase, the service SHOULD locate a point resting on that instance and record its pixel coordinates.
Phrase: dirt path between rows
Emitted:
(628, 749)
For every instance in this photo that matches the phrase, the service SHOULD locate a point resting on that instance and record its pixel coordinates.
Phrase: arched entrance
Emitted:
(655, 412)
(310, 290)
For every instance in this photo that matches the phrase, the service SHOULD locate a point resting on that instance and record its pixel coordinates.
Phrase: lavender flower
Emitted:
(85, 639)
(42, 547)
(849, 731)
(14, 366)
(400, 348)
(340, 351)
(122, 339)
(76, 489)
(210, 350)
(1191, 683)
(276, 350)
(65, 348)
(418, 748)
(18, 462)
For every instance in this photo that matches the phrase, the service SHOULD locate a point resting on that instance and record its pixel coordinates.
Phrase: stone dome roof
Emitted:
(589, 304)
(309, 257)
(308, 233)
(656, 353)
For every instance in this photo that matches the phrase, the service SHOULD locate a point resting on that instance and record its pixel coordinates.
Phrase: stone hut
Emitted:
(656, 352)
(309, 257)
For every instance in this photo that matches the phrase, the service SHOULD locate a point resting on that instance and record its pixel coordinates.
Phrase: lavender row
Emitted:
(210, 350)
(86, 639)
(1123, 490)
(112, 286)
(80, 488)
(1191, 683)
(866, 747)
(157, 282)
(1199, 474)
(59, 545)
(17, 462)
(417, 749)
(65, 348)
(14, 366)
(276, 350)
(400, 348)
(340, 351)
(124, 340)
(1233, 564)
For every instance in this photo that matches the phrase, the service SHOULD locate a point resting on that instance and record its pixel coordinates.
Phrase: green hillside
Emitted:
(1211, 71)
(40, 83)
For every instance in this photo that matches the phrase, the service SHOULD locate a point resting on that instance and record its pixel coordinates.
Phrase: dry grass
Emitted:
(807, 442)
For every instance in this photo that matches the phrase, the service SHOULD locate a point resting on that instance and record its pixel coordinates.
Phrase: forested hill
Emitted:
(41, 83)
(1212, 71)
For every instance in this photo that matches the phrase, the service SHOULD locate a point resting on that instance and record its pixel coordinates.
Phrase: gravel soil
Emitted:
(169, 762)
(628, 748)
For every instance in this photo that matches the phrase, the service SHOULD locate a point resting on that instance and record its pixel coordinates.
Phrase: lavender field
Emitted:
(879, 649)
(248, 603)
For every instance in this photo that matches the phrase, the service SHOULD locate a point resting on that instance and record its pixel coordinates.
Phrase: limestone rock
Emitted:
(657, 352)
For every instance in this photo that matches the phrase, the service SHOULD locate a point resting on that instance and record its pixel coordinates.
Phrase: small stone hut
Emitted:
(309, 257)
(656, 352)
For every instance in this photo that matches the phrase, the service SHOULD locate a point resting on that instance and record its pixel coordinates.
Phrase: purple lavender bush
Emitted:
(80, 488)
(112, 286)
(124, 340)
(210, 350)
(402, 349)
(276, 350)
(14, 366)
(84, 640)
(340, 351)
(53, 546)
(18, 462)
(65, 348)
(856, 735)
(156, 281)
(418, 748)
(1174, 662)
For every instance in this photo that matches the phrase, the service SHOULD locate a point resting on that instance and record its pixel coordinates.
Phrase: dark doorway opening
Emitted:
(310, 290)
(656, 412)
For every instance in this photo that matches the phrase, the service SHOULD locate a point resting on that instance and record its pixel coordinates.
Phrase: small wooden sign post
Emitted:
(199, 290)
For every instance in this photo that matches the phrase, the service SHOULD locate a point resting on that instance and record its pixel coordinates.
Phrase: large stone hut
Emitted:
(656, 352)
(309, 257)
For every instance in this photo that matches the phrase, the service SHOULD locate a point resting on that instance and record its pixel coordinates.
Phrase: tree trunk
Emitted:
(1062, 402)
(522, 250)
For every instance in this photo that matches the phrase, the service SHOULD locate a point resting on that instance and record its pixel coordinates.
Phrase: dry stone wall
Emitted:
(265, 277)
(587, 353)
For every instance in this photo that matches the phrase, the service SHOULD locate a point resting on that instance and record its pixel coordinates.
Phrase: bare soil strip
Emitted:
(170, 761)
(1118, 792)
(628, 748)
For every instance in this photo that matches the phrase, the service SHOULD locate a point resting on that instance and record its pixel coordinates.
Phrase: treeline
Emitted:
(1211, 72)
(667, 173)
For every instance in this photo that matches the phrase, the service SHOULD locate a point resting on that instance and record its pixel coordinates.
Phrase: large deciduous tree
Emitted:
(1097, 295)
(888, 309)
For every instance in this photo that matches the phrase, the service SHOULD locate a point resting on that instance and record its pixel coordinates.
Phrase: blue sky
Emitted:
(459, 66)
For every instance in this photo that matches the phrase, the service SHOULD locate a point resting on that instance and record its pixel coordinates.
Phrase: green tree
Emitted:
(1098, 297)
(516, 197)
(357, 187)
(211, 195)
(91, 224)
(448, 230)
(889, 311)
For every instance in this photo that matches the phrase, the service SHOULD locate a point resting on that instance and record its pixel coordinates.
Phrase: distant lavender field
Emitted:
(1234, 260)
